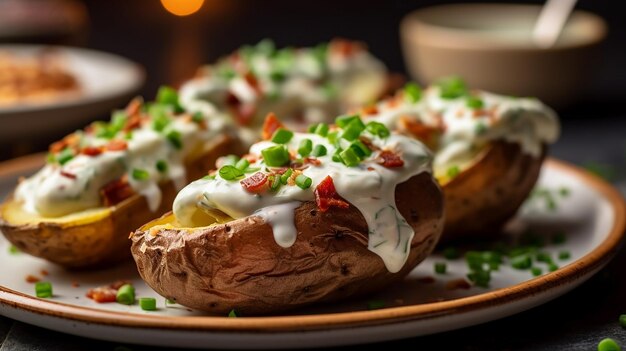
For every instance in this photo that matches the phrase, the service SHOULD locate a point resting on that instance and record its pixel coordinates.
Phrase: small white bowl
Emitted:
(490, 46)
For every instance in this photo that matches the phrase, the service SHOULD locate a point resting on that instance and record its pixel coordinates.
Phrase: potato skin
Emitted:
(103, 241)
(239, 265)
(482, 198)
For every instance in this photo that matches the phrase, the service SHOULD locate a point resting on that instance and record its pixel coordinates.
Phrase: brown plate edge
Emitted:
(581, 267)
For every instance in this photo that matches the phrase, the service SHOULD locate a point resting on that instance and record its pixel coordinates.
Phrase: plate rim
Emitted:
(80, 100)
(566, 274)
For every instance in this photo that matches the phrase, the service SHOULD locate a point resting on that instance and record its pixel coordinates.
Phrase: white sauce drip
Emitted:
(49, 193)
(525, 121)
(371, 191)
(281, 219)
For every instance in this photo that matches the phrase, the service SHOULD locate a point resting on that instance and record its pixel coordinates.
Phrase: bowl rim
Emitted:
(441, 36)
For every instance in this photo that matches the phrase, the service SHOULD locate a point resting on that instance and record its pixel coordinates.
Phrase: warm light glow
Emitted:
(182, 7)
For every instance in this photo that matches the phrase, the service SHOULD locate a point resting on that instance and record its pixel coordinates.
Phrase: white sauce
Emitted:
(525, 121)
(50, 193)
(371, 191)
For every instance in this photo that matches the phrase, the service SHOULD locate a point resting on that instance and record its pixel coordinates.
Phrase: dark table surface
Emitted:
(593, 132)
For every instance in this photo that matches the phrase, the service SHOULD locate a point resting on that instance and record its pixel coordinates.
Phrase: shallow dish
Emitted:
(106, 82)
(592, 216)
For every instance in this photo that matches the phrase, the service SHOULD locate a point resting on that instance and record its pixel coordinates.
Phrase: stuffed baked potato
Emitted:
(488, 149)
(101, 183)
(302, 218)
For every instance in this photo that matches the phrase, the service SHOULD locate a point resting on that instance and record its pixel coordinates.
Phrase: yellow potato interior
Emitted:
(14, 213)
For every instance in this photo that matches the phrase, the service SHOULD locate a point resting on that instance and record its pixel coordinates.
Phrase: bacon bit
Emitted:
(44, 272)
(75, 285)
(68, 174)
(292, 179)
(426, 280)
(232, 100)
(326, 196)
(256, 183)
(370, 168)
(32, 279)
(91, 151)
(457, 284)
(270, 125)
(102, 294)
(116, 145)
(68, 141)
(390, 159)
(393, 101)
(424, 133)
(116, 191)
(253, 82)
(134, 106)
(105, 293)
(133, 122)
(345, 47)
(369, 110)
(312, 160)
(250, 158)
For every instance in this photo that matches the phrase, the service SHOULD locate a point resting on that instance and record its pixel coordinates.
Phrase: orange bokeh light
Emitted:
(182, 7)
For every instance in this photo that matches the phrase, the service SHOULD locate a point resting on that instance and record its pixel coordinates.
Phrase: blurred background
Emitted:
(170, 47)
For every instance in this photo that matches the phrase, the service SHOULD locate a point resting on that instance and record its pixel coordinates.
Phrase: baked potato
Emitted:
(330, 228)
(303, 85)
(79, 209)
(488, 149)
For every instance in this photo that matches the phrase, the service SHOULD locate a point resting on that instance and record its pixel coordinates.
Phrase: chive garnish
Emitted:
(440, 267)
(303, 181)
(125, 295)
(140, 174)
(275, 156)
(161, 166)
(229, 172)
(43, 289)
(147, 303)
(282, 136)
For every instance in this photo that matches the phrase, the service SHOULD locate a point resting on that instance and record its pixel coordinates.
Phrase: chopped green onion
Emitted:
(353, 130)
(140, 174)
(453, 172)
(50, 158)
(229, 172)
(543, 257)
(303, 181)
(311, 128)
(333, 137)
(242, 164)
(622, 320)
(275, 182)
(480, 278)
(451, 87)
(125, 295)
(349, 157)
(474, 102)
(277, 76)
(170, 302)
(232, 314)
(43, 289)
(147, 303)
(282, 136)
(343, 121)
(451, 253)
(169, 96)
(412, 92)
(521, 262)
(480, 128)
(564, 255)
(197, 117)
(559, 238)
(160, 118)
(378, 129)
(536, 271)
(175, 139)
(321, 129)
(129, 135)
(375, 304)
(13, 250)
(161, 166)
(440, 267)
(285, 176)
(608, 344)
(65, 156)
(552, 267)
(306, 145)
(319, 150)
(361, 149)
(336, 156)
(275, 156)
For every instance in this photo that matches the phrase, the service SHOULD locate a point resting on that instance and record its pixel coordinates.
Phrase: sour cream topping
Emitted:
(150, 157)
(369, 186)
(464, 126)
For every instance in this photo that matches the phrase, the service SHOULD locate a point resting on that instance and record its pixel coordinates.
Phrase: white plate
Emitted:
(106, 80)
(592, 216)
